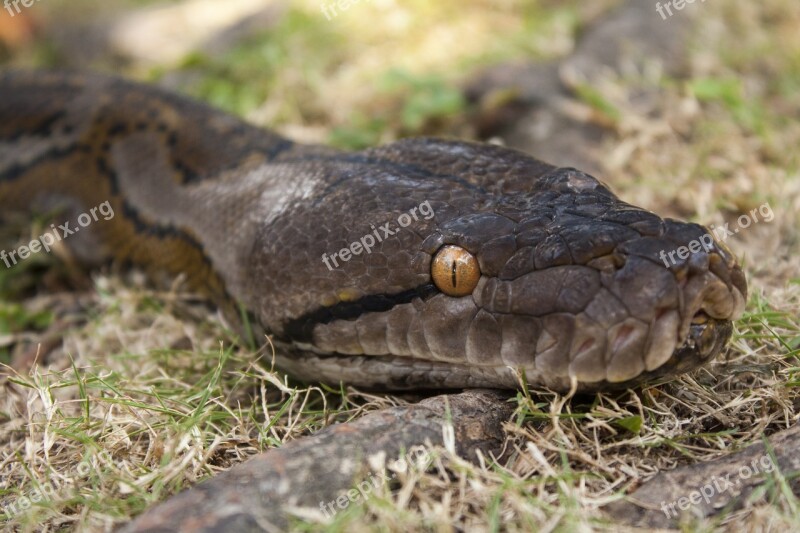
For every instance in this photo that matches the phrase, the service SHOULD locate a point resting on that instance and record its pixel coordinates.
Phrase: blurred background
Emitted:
(691, 113)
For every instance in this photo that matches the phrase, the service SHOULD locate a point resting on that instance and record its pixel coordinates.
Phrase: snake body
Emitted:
(569, 289)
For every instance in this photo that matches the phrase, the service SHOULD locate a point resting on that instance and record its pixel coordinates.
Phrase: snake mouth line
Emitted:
(707, 337)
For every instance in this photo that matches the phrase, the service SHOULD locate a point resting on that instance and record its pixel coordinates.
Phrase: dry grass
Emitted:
(147, 394)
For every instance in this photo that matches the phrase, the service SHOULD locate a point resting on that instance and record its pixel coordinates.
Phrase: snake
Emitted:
(425, 263)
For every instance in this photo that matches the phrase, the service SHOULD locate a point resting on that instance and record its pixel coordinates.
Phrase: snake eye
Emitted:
(455, 271)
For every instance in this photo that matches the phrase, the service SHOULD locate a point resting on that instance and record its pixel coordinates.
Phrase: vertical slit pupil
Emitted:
(453, 274)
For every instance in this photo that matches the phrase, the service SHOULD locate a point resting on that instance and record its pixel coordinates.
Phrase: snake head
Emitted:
(556, 277)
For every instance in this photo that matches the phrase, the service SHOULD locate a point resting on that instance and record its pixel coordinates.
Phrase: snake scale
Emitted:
(518, 268)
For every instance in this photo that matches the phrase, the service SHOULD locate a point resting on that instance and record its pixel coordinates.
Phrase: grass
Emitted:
(150, 394)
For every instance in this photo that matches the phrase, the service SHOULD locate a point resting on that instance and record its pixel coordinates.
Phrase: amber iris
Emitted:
(455, 271)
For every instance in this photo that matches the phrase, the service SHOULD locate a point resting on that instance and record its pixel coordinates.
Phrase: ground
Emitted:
(136, 393)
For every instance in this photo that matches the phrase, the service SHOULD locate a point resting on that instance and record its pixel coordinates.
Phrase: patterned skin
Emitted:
(571, 288)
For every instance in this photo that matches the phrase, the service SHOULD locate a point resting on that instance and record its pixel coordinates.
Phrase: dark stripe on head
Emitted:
(301, 329)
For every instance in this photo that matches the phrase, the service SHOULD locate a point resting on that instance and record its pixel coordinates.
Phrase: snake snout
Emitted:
(712, 294)
(678, 293)
(711, 282)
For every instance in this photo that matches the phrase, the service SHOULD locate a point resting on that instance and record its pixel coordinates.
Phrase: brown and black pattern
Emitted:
(572, 288)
